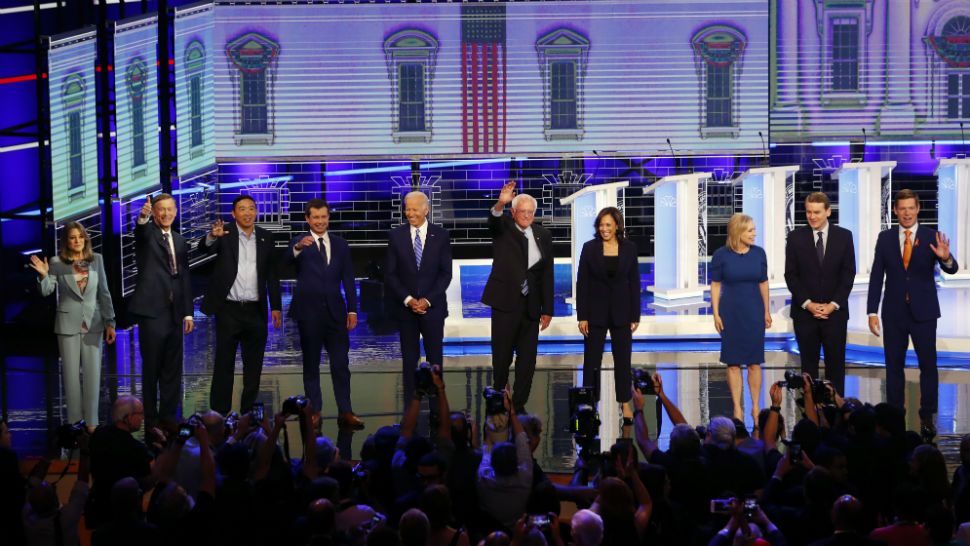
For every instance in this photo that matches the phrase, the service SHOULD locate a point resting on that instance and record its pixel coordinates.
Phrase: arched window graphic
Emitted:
(411, 56)
(194, 71)
(952, 48)
(72, 98)
(254, 57)
(563, 57)
(718, 50)
(135, 78)
(843, 26)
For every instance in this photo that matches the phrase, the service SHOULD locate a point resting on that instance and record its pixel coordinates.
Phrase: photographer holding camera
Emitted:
(748, 526)
(505, 474)
(410, 448)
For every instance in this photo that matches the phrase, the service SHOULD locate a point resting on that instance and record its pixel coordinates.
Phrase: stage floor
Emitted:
(689, 366)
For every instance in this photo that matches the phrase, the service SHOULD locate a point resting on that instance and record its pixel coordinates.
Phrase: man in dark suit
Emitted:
(162, 306)
(417, 272)
(820, 272)
(907, 256)
(322, 314)
(245, 272)
(519, 289)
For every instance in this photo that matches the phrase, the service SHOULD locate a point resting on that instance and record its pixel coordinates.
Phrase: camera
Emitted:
(721, 506)
(67, 434)
(424, 380)
(494, 401)
(750, 507)
(538, 520)
(232, 423)
(294, 405)
(258, 412)
(584, 419)
(643, 381)
(794, 452)
(186, 430)
(820, 391)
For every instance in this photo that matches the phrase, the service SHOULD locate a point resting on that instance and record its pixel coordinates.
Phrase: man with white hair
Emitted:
(417, 272)
(519, 289)
(730, 470)
(587, 528)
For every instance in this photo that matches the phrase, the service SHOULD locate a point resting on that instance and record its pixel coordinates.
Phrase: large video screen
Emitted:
(73, 123)
(870, 71)
(457, 79)
(136, 103)
(193, 88)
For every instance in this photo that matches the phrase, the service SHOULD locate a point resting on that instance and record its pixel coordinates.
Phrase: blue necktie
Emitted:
(418, 249)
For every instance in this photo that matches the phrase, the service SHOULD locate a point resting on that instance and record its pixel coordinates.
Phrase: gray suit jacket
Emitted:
(93, 308)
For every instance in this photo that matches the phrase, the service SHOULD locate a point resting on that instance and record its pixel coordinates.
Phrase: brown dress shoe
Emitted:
(349, 420)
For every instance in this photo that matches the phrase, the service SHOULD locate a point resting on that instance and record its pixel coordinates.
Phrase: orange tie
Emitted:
(907, 249)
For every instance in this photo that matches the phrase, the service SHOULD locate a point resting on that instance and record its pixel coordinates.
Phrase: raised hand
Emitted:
(942, 247)
(218, 229)
(146, 209)
(41, 267)
(507, 194)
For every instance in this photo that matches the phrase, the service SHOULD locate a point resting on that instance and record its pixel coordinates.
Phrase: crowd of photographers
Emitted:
(849, 473)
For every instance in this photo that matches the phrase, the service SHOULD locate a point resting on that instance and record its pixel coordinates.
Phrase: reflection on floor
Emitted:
(692, 377)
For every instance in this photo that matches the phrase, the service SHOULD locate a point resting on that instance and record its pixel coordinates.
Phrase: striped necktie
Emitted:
(418, 247)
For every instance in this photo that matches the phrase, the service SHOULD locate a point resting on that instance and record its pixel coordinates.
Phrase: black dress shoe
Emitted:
(350, 420)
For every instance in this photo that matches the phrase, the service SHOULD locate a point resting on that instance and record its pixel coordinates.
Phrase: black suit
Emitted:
(515, 317)
(239, 321)
(825, 282)
(403, 278)
(160, 302)
(608, 303)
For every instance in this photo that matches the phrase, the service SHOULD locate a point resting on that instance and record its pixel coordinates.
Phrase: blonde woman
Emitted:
(84, 314)
(739, 298)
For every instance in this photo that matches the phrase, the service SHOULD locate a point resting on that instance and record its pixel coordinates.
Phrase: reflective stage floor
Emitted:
(692, 377)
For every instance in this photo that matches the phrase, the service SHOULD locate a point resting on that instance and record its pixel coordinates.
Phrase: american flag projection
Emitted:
(483, 73)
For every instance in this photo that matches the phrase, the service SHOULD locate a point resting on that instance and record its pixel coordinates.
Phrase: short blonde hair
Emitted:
(737, 225)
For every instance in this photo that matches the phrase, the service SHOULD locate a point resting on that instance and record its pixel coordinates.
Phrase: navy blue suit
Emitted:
(608, 303)
(402, 278)
(910, 308)
(320, 312)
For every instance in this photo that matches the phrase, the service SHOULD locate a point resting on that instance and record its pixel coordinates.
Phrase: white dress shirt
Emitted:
(422, 232)
(142, 220)
(825, 248)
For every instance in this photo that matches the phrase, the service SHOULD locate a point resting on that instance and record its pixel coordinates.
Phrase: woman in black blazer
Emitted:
(608, 298)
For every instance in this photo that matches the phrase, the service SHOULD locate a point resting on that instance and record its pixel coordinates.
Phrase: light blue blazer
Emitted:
(93, 308)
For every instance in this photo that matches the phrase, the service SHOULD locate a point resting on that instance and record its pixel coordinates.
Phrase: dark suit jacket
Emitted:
(918, 281)
(510, 265)
(603, 301)
(403, 278)
(829, 281)
(226, 250)
(155, 283)
(319, 283)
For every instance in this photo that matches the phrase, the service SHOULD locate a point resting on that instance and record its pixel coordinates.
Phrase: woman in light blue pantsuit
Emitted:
(84, 315)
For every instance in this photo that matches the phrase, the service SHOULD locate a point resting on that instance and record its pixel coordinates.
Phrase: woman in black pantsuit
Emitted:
(608, 299)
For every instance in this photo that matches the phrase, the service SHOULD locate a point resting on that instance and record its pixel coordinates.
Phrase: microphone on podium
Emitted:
(672, 154)
(764, 149)
(963, 140)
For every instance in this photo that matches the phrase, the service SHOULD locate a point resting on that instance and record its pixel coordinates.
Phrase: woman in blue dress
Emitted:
(739, 298)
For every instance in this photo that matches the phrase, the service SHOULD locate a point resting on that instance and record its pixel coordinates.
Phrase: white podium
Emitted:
(675, 235)
(765, 197)
(953, 203)
(865, 190)
(585, 204)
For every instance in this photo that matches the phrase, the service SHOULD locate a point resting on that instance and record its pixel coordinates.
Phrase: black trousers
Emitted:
(621, 341)
(326, 333)
(515, 332)
(896, 333)
(412, 330)
(238, 324)
(160, 344)
(813, 335)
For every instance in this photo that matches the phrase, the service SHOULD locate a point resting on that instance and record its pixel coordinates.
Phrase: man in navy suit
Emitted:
(324, 318)
(907, 256)
(417, 272)
(820, 272)
(519, 289)
(162, 306)
(245, 273)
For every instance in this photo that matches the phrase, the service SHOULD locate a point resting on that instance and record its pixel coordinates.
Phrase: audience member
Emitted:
(587, 528)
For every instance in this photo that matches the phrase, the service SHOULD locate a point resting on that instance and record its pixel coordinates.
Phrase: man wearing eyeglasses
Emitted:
(117, 454)
(519, 289)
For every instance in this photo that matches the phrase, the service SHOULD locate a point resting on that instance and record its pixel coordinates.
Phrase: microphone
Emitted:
(963, 141)
(864, 138)
(674, 156)
(933, 149)
(764, 148)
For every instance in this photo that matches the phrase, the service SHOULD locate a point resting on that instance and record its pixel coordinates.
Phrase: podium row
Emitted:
(680, 218)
